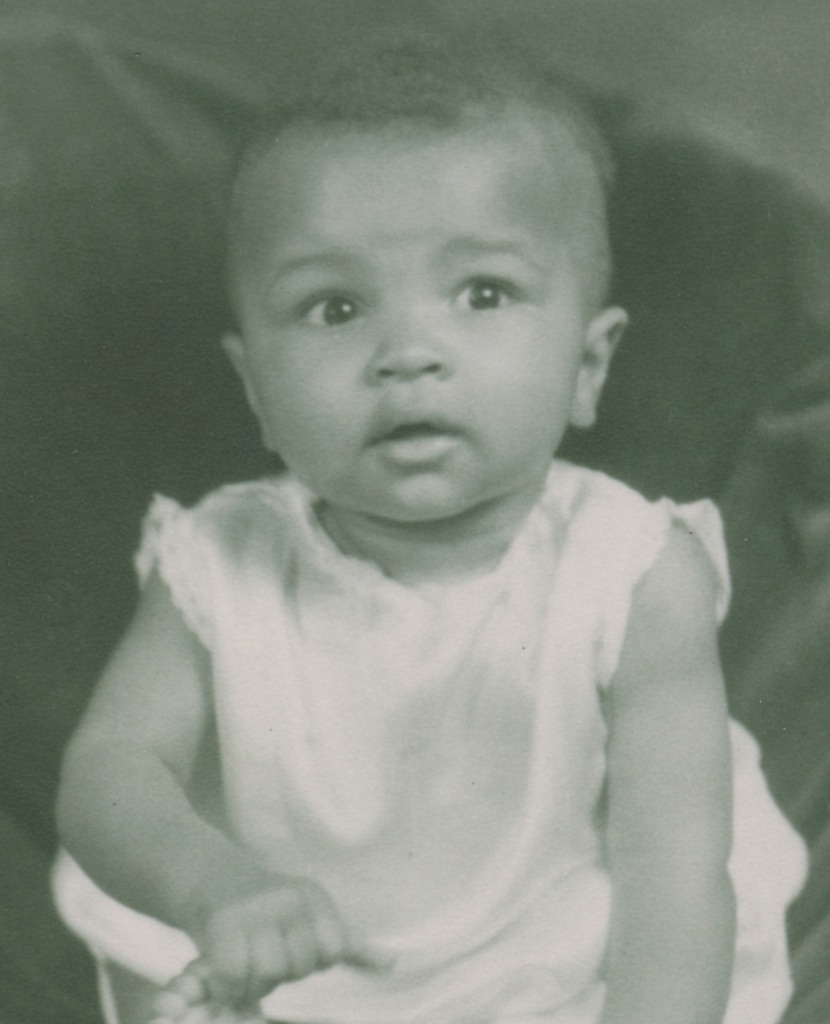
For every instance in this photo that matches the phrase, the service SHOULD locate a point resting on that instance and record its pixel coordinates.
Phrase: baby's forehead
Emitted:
(520, 181)
(566, 161)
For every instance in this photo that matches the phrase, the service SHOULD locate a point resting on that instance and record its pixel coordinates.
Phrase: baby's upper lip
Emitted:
(393, 428)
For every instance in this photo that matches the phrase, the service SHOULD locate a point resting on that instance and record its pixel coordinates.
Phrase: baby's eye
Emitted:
(485, 293)
(331, 312)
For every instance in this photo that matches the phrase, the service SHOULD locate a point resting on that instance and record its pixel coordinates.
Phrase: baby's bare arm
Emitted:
(122, 805)
(123, 812)
(669, 777)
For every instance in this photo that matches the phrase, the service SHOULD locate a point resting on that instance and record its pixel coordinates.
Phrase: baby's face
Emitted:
(417, 312)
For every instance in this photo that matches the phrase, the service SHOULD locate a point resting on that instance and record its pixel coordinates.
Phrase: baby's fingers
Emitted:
(229, 957)
(277, 936)
(186, 991)
(256, 947)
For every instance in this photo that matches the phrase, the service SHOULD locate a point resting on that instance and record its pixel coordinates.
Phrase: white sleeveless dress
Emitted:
(435, 755)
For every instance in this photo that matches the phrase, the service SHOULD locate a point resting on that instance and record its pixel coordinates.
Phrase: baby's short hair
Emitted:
(440, 81)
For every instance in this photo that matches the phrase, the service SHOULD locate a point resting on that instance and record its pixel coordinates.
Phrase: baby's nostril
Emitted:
(409, 368)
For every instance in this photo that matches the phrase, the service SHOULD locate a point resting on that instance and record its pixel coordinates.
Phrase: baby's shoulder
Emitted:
(245, 498)
(240, 513)
(600, 512)
(682, 585)
(233, 525)
(606, 515)
(620, 550)
(575, 489)
(217, 553)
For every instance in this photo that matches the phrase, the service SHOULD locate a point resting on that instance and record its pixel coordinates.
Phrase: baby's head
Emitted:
(419, 261)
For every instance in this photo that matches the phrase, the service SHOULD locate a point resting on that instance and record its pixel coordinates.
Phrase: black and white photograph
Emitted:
(415, 512)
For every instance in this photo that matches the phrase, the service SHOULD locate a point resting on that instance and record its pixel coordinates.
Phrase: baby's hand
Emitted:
(283, 931)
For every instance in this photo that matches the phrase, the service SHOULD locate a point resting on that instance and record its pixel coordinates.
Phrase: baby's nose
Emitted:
(407, 356)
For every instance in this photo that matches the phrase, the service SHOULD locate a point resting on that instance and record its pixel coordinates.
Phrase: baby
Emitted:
(429, 727)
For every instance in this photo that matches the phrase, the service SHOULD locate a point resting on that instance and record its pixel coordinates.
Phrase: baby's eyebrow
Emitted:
(333, 260)
(473, 245)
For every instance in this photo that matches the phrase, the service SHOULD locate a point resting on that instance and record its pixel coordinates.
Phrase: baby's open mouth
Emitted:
(417, 443)
(411, 431)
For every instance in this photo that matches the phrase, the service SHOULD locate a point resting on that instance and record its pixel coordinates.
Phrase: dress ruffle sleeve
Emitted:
(635, 551)
(703, 521)
(172, 546)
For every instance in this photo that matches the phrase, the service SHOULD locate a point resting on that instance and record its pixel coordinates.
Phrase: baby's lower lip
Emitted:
(417, 443)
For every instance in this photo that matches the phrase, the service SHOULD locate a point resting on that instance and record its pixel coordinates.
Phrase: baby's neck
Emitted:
(438, 551)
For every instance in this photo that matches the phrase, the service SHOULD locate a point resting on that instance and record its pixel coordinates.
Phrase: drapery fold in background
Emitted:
(116, 136)
(777, 642)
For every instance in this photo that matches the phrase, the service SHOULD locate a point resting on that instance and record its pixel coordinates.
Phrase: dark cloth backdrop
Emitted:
(116, 134)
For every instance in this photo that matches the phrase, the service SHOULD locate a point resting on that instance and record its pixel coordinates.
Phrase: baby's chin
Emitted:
(433, 500)
(419, 503)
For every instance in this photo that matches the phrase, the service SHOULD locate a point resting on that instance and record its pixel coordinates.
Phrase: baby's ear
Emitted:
(234, 348)
(602, 336)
